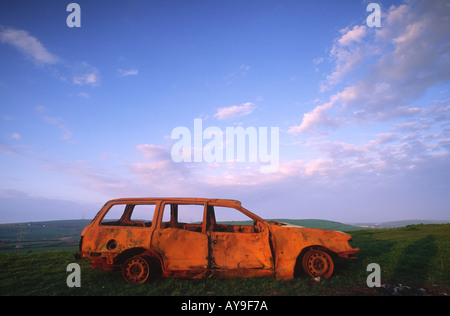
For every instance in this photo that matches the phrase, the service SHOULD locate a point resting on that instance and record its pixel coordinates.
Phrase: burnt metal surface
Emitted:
(206, 249)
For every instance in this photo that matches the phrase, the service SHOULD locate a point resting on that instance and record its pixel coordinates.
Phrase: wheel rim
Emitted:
(318, 263)
(136, 270)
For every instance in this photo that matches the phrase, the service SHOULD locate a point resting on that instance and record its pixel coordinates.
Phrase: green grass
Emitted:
(417, 256)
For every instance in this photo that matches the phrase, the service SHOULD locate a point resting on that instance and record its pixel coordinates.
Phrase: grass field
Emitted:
(414, 260)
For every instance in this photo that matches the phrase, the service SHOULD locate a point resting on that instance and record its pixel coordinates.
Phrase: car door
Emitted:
(181, 238)
(239, 245)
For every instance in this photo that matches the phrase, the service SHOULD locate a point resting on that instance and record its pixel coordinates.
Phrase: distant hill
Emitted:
(34, 235)
(319, 223)
(42, 230)
(403, 223)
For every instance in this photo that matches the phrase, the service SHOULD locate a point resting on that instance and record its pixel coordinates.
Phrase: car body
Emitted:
(182, 237)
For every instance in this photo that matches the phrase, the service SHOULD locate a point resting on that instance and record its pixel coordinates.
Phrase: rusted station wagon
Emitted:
(194, 238)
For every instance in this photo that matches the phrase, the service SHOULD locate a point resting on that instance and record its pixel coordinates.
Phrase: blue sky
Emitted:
(86, 113)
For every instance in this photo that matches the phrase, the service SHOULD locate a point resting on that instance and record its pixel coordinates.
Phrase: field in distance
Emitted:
(38, 236)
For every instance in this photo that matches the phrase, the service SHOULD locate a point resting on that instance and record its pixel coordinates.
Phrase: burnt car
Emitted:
(200, 238)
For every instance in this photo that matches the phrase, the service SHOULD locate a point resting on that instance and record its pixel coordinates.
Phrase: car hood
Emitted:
(334, 240)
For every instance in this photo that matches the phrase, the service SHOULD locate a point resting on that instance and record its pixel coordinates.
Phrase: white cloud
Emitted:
(131, 72)
(157, 173)
(389, 101)
(234, 111)
(349, 36)
(79, 73)
(348, 52)
(154, 151)
(317, 61)
(319, 167)
(28, 45)
(40, 109)
(61, 124)
(82, 73)
(386, 69)
(317, 117)
(241, 71)
(384, 138)
(83, 95)
(55, 121)
(88, 78)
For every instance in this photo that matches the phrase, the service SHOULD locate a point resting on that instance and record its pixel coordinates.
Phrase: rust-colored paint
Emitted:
(207, 248)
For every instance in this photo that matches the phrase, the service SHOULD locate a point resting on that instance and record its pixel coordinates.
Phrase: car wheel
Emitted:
(136, 270)
(318, 263)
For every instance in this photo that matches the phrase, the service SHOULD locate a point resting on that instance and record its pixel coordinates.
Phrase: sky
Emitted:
(87, 113)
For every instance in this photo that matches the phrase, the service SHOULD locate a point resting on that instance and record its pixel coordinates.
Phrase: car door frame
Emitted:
(184, 253)
(243, 254)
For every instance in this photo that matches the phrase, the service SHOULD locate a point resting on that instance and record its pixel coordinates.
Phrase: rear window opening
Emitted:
(139, 215)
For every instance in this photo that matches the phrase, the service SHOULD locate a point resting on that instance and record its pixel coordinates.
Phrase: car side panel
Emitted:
(110, 241)
(288, 242)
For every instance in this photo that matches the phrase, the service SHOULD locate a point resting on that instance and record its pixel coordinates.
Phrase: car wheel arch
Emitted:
(138, 251)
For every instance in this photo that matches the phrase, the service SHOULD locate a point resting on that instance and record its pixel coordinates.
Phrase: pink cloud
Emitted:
(356, 34)
(316, 117)
(234, 111)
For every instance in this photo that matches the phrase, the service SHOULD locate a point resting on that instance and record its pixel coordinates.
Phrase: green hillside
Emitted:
(319, 223)
(40, 235)
(403, 223)
(414, 260)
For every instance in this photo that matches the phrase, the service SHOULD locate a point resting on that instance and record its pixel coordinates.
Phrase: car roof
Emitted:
(141, 200)
(187, 200)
